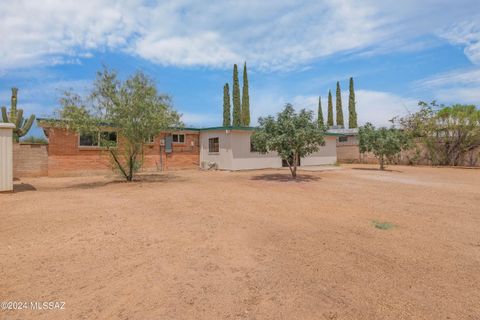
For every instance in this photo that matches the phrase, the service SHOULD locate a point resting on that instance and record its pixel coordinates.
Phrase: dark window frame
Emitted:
(177, 136)
(96, 141)
(343, 139)
(214, 145)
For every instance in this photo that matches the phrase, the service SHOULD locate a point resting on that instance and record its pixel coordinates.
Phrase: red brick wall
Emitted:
(30, 160)
(65, 157)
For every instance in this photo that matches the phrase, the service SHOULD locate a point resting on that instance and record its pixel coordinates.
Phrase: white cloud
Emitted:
(467, 34)
(377, 107)
(200, 119)
(457, 86)
(269, 34)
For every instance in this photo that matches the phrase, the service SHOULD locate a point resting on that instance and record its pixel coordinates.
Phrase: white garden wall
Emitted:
(6, 157)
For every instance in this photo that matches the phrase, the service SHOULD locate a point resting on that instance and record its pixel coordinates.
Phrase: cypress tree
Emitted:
(237, 109)
(352, 113)
(320, 113)
(226, 106)
(339, 106)
(330, 110)
(245, 99)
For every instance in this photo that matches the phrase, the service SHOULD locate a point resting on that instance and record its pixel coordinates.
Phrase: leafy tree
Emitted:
(133, 108)
(292, 135)
(384, 143)
(15, 116)
(339, 106)
(245, 99)
(320, 113)
(449, 133)
(226, 105)
(352, 113)
(237, 108)
(330, 110)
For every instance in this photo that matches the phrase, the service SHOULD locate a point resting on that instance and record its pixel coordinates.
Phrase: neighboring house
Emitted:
(230, 148)
(347, 145)
(224, 148)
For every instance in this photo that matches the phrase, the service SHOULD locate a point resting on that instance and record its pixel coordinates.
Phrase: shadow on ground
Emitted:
(143, 178)
(286, 177)
(22, 187)
(377, 169)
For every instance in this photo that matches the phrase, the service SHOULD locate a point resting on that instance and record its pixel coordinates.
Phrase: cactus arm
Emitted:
(19, 117)
(26, 126)
(4, 115)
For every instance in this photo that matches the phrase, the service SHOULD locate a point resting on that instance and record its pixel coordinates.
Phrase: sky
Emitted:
(398, 52)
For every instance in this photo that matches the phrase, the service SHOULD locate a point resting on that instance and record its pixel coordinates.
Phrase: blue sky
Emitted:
(399, 52)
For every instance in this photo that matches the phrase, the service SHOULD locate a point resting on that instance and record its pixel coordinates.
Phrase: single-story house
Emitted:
(230, 148)
(224, 148)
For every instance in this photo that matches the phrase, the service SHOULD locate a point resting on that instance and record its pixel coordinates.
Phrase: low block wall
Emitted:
(348, 154)
(30, 160)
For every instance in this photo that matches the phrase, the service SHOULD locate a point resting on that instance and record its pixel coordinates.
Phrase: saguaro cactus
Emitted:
(22, 126)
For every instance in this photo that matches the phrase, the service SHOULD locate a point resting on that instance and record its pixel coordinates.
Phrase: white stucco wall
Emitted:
(243, 159)
(234, 153)
(223, 158)
(6, 157)
(326, 155)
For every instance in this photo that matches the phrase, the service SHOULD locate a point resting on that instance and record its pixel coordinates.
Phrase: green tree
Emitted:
(15, 116)
(226, 105)
(384, 143)
(320, 113)
(133, 108)
(292, 135)
(339, 109)
(352, 113)
(450, 133)
(245, 99)
(237, 107)
(330, 110)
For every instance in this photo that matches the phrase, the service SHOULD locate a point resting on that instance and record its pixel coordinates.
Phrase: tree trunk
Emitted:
(382, 167)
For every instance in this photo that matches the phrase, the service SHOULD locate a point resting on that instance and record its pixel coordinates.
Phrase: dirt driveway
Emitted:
(246, 245)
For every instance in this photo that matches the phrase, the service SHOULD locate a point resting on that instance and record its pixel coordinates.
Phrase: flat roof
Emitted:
(220, 128)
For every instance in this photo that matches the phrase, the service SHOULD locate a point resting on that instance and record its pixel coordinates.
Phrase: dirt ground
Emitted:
(246, 245)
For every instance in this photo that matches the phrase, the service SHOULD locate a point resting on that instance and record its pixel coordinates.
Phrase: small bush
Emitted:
(383, 225)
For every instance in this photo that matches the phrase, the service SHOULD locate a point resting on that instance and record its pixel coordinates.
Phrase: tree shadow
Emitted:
(22, 187)
(378, 169)
(285, 177)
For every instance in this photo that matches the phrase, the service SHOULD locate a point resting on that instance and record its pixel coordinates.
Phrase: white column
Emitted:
(6, 157)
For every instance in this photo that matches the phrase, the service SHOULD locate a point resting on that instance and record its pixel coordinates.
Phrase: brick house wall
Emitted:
(66, 157)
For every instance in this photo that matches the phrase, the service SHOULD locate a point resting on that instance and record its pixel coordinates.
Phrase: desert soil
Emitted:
(246, 245)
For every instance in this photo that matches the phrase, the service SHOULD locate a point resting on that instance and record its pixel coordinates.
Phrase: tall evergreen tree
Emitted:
(352, 113)
(320, 113)
(245, 99)
(330, 110)
(237, 108)
(226, 106)
(339, 106)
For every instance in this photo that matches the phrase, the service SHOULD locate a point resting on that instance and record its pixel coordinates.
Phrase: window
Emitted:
(88, 140)
(108, 139)
(150, 140)
(178, 138)
(100, 139)
(213, 145)
(342, 139)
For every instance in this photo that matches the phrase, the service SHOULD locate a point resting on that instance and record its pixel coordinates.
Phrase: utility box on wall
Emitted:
(6, 157)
